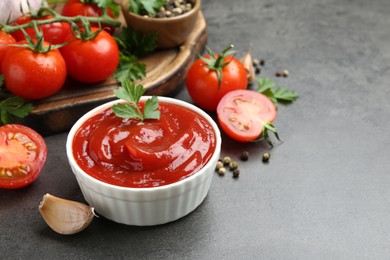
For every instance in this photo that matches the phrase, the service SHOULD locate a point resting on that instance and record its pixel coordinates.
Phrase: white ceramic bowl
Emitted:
(145, 206)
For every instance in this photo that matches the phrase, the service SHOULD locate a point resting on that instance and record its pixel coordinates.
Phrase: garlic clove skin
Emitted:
(247, 61)
(65, 216)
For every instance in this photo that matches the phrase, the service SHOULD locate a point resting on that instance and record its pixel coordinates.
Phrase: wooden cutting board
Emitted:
(165, 73)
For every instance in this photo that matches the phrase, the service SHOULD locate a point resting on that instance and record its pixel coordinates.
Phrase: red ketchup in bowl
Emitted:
(142, 154)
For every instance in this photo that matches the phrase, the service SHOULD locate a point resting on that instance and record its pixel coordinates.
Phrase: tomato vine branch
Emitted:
(104, 19)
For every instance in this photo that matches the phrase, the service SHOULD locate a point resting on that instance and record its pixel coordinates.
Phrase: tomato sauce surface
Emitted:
(149, 153)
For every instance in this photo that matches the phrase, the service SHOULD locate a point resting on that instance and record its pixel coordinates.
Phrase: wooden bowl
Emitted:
(171, 32)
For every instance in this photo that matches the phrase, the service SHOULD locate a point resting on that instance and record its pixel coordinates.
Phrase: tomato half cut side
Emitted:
(242, 113)
(23, 154)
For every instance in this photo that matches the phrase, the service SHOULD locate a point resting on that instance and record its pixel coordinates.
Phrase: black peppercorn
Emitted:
(244, 156)
(236, 173)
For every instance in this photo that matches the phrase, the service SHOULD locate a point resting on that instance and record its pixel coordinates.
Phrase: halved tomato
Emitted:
(242, 113)
(23, 154)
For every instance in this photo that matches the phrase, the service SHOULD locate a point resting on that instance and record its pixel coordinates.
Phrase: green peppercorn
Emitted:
(266, 157)
(244, 156)
(236, 173)
(233, 165)
(227, 160)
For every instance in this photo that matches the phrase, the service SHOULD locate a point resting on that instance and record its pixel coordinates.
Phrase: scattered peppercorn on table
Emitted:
(322, 191)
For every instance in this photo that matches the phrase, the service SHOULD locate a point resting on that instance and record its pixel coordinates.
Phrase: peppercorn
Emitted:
(279, 73)
(221, 171)
(257, 70)
(285, 73)
(219, 165)
(227, 160)
(262, 62)
(256, 62)
(266, 157)
(233, 165)
(236, 173)
(244, 156)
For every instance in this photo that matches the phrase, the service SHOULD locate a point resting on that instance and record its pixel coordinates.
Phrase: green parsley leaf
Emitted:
(136, 43)
(150, 109)
(267, 87)
(146, 6)
(13, 107)
(130, 68)
(132, 93)
(284, 94)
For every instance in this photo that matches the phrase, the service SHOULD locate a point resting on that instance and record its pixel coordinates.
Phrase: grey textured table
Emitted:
(325, 192)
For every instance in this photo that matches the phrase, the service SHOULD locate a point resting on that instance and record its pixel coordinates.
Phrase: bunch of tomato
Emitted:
(34, 73)
(34, 68)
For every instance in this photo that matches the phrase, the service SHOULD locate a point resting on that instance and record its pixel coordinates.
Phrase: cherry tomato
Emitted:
(242, 113)
(5, 40)
(32, 75)
(91, 61)
(54, 33)
(76, 7)
(202, 82)
(22, 156)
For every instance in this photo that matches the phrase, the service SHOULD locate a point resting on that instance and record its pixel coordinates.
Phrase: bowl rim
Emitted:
(194, 10)
(94, 111)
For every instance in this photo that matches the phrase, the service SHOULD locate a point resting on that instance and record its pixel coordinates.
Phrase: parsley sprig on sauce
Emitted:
(132, 94)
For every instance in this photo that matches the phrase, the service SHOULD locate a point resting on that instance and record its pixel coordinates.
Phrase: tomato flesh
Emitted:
(242, 113)
(23, 153)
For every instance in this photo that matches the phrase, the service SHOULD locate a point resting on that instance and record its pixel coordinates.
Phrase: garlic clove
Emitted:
(247, 61)
(65, 216)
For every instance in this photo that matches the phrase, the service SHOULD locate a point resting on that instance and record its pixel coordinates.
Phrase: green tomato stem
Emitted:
(104, 19)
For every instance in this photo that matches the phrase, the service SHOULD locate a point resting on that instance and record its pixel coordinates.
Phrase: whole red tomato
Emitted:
(54, 33)
(91, 61)
(23, 154)
(5, 40)
(77, 7)
(33, 75)
(203, 85)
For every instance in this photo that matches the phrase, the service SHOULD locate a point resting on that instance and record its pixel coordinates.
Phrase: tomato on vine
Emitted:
(212, 76)
(23, 154)
(5, 40)
(54, 33)
(88, 8)
(91, 56)
(34, 69)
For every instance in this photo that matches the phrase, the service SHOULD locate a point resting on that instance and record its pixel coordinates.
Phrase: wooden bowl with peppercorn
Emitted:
(173, 21)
